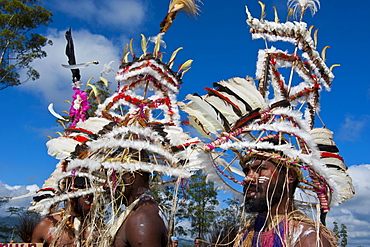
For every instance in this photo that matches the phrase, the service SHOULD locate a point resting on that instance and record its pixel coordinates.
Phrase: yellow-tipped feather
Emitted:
(131, 49)
(125, 58)
(50, 137)
(144, 43)
(65, 112)
(173, 56)
(89, 80)
(250, 17)
(315, 39)
(95, 90)
(186, 70)
(263, 12)
(124, 55)
(62, 123)
(67, 101)
(276, 15)
(323, 53)
(310, 30)
(185, 65)
(157, 45)
(290, 13)
(333, 66)
(105, 81)
(59, 133)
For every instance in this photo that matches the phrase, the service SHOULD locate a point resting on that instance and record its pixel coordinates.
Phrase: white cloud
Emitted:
(355, 212)
(354, 125)
(16, 190)
(114, 14)
(55, 81)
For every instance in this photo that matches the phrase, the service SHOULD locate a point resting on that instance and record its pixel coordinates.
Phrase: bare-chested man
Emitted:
(269, 186)
(144, 224)
(46, 231)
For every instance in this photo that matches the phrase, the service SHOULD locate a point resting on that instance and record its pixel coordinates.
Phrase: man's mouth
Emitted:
(88, 203)
(250, 191)
(250, 194)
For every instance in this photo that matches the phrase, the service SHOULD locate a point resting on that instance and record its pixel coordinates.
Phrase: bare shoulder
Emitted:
(145, 226)
(42, 228)
(307, 235)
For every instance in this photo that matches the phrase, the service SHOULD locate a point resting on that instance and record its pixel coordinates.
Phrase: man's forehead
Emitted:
(258, 161)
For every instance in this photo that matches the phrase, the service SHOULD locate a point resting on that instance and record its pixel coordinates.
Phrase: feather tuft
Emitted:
(51, 110)
(187, 6)
(173, 56)
(333, 66)
(300, 6)
(263, 12)
(144, 43)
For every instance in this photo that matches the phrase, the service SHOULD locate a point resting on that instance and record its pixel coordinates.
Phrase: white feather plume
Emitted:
(54, 113)
(246, 89)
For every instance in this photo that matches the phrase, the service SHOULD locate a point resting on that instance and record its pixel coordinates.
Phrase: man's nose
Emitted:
(251, 177)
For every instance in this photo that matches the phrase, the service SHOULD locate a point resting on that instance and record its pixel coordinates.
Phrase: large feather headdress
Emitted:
(137, 128)
(238, 116)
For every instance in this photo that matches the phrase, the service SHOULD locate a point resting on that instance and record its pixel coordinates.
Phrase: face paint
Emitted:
(263, 179)
(274, 174)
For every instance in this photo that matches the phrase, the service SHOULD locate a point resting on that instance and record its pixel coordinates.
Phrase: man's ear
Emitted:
(292, 175)
(128, 178)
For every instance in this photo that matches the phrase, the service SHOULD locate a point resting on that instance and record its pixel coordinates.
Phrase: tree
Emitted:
(341, 234)
(5, 229)
(200, 206)
(19, 46)
(25, 222)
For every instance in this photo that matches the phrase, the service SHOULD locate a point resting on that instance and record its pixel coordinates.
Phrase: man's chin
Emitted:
(253, 206)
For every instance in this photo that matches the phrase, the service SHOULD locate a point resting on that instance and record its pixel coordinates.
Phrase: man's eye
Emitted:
(260, 168)
(246, 171)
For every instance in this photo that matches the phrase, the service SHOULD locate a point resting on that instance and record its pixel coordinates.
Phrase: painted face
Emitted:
(263, 186)
(197, 243)
(84, 204)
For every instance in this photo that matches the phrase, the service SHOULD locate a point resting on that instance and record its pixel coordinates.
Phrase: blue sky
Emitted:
(220, 44)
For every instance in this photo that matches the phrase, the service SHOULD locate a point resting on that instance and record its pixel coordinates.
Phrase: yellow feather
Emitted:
(310, 30)
(105, 81)
(323, 53)
(173, 56)
(131, 49)
(276, 15)
(334, 65)
(95, 90)
(250, 17)
(126, 57)
(144, 43)
(65, 112)
(290, 13)
(125, 54)
(186, 65)
(62, 123)
(157, 45)
(88, 82)
(67, 101)
(50, 137)
(59, 133)
(263, 13)
(183, 73)
(315, 36)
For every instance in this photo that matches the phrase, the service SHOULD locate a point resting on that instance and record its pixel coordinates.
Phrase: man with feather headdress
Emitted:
(62, 228)
(269, 128)
(269, 187)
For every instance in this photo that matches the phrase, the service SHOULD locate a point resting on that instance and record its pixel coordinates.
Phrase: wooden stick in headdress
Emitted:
(188, 6)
